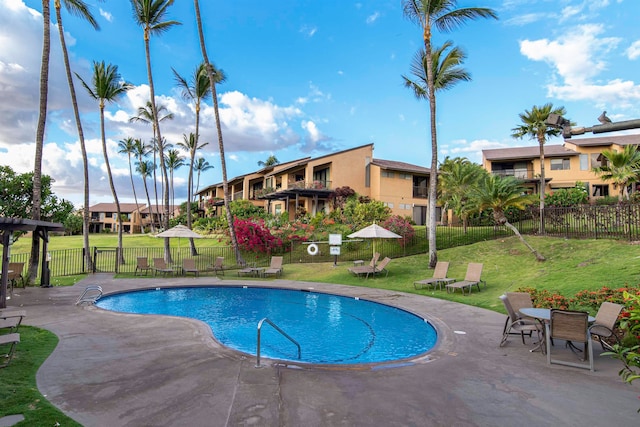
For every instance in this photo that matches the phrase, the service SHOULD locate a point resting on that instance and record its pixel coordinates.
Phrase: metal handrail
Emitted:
(91, 294)
(279, 330)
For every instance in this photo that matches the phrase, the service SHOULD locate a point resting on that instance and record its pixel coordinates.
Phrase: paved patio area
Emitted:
(130, 370)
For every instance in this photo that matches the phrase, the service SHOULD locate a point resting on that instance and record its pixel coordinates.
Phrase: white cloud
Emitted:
(633, 51)
(472, 150)
(308, 30)
(373, 17)
(106, 15)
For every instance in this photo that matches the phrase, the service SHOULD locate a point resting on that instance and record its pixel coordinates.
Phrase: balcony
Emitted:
(420, 192)
(517, 173)
(311, 185)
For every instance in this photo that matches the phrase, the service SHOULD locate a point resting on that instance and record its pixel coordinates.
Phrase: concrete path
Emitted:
(113, 369)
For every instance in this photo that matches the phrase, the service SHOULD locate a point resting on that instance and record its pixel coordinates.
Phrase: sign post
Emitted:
(335, 241)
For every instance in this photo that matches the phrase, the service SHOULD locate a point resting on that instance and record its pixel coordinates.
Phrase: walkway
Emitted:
(130, 370)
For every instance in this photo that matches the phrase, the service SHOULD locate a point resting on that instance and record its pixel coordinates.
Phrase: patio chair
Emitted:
(189, 266)
(142, 264)
(364, 269)
(159, 266)
(571, 326)
(218, 266)
(11, 320)
(275, 267)
(604, 325)
(10, 340)
(472, 278)
(14, 278)
(380, 268)
(516, 323)
(439, 277)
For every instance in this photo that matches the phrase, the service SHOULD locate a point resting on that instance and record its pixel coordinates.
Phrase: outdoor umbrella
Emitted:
(179, 231)
(374, 231)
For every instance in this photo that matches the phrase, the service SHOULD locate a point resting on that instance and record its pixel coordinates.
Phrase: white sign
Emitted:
(335, 240)
(334, 250)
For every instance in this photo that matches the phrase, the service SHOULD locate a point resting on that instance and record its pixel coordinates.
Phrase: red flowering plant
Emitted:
(402, 226)
(254, 236)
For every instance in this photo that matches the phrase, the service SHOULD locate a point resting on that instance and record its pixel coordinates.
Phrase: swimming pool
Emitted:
(330, 329)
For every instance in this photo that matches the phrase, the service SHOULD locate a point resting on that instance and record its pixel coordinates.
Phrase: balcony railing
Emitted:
(518, 173)
(420, 192)
(315, 185)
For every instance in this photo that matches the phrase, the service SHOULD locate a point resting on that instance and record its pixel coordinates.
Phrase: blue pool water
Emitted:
(331, 329)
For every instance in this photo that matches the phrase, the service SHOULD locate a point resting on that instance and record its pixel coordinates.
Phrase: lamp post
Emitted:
(568, 131)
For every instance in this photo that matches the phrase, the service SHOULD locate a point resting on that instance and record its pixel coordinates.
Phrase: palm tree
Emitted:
(141, 150)
(223, 164)
(457, 177)
(622, 168)
(498, 194)
(195, 90)
(271, 161)
(150, 14)
(534, 126)
(201, 165)
(107, 86)
(144, 168)
(128, 146)
(174, 161)
(42, 119)
(145, 115)
(190, 145)
(78, 8)
(444, 16)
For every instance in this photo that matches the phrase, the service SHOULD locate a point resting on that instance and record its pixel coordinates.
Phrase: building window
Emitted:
(584, 162)
(389, 205)
(405, 176)
(278, 209)
(600, 191)
(560, 164)
(598, 160)
(405, 206)
(387, 174)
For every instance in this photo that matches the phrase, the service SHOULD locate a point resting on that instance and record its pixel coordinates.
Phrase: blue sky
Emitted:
(306, 78)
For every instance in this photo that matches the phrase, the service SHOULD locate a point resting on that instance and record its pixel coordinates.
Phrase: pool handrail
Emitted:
(266, 319)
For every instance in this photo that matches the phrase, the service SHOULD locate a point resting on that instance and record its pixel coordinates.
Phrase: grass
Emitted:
(571, 266)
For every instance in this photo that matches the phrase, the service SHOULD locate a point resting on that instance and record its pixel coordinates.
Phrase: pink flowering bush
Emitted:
(401, 226)
(254, 236)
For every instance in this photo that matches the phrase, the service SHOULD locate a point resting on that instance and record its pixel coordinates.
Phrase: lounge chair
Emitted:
(276, 266)
(517, 323)
(571, 326)
(368, 270)
(218, 266)
(11, 320)
(472, 278)
(605, 323)
(159, 266)
(364, 269)
(439, 277)
(247, 269)
(189, 266)
(142, 264)
(10, 340)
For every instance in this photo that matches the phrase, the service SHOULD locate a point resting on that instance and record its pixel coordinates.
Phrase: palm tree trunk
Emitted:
(223, 164)
(192, 244)
(42, 118)
(83, 148)
(433, 175)
(146, 190)
(135, 196)
(538, 256)
(111, 184)
(543, 183)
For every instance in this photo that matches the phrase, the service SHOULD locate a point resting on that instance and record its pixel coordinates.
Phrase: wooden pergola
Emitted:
(41, 229)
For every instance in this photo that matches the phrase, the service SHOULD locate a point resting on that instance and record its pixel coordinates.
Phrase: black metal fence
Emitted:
(592, 222)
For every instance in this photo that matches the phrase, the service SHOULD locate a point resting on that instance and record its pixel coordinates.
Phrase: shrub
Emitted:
(402, 226)
(564, 197)
(254, 236)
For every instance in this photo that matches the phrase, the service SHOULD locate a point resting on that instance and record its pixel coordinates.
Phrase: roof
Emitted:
(522, 153)
(400, 166)
(111, 207)
(605, 140)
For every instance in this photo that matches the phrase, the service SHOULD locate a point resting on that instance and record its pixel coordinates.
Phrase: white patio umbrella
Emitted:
(374, 231)
(179, 231)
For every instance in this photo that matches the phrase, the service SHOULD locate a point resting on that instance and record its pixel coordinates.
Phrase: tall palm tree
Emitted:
(80, 9)
(141, 150)
(622, 168)
(128, 146)
(201, 165)
(534, 125)
(150, 15)
(271, 161)
(144, 167)
(42, 119)
(223, 164)
(174, 161)
(195, 90)
(457, 177)
(498, 194)
(190, 145)
(107, 86)
(443, 15)
(146, 115)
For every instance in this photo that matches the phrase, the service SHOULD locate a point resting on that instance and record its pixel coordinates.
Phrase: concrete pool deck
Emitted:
(129, 370)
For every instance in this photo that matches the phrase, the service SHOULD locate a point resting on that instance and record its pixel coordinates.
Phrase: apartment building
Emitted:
(564, 164)
(305, 185)
(103, 217)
